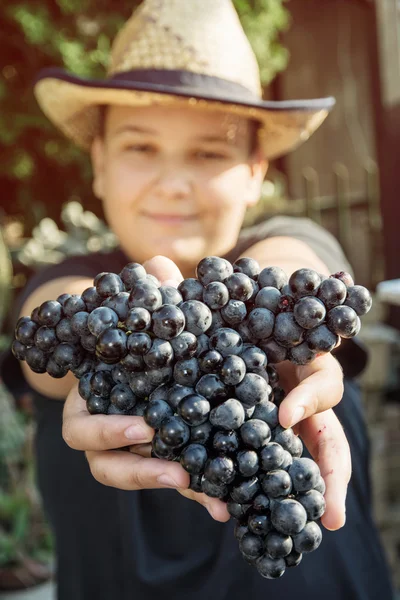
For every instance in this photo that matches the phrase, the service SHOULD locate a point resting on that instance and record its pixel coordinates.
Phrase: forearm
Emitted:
(288, 253)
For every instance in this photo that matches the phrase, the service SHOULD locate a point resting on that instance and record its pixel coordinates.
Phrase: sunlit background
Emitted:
(346, 177)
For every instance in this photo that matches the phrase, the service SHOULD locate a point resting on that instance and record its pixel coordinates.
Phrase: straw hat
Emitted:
(171, 52)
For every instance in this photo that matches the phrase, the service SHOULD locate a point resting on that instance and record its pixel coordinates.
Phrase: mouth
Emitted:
(170, 219)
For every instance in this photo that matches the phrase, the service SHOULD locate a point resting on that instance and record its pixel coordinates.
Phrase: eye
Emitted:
(210, 155)
(140, 148)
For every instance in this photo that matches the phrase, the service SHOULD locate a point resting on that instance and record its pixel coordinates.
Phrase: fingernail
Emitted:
(167, 480)
(136, 432)
(171, 282)
(298, 414)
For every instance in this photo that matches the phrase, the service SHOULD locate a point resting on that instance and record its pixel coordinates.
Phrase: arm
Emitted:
(43, 383)
(288, 253)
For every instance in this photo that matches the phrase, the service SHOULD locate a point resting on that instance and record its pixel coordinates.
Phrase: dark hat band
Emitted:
(197, 84)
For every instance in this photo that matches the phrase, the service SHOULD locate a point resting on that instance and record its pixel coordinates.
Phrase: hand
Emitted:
(312, 390)
(100, 436)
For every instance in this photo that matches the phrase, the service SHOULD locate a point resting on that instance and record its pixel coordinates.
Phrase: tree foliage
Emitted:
(39, 169)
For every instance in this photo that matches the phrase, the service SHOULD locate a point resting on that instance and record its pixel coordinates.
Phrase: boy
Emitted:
(179, 140)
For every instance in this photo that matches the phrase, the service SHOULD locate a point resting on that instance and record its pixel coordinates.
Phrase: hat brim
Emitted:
(72, 104)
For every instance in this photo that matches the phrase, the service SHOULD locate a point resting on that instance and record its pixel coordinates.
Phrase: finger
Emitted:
(215, 507)
(325, 439)
(320, 388)
(83, 431)
(128, 471)
(164, 269)
(141, 449)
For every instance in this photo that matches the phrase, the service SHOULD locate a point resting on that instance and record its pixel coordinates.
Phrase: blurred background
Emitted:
(346, 178)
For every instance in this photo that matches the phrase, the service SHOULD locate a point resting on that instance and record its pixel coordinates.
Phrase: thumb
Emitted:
(164, 269)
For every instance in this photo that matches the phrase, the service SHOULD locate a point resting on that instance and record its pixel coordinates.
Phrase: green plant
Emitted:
(24, 533)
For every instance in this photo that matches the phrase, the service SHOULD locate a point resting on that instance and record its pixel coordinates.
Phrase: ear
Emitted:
(97, 154)
(258, 169)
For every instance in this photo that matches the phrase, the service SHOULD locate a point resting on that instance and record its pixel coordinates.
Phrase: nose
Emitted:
(173, 183)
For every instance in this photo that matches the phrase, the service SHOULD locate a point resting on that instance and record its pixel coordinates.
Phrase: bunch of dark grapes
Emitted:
(197, 362)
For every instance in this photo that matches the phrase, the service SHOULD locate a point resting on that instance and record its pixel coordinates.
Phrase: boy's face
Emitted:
(175, 181)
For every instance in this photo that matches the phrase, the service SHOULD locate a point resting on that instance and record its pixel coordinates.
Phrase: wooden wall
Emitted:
(329, 56)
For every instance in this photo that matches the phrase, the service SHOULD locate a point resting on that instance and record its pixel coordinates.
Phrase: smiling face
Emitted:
(175, 181)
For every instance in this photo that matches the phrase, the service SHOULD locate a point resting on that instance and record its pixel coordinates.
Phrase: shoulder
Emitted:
(321, 241)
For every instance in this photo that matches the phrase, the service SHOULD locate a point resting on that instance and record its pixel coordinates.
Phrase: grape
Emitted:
(194, 409)
(109, 284)
(287, 332)
(261, 323)
(156, 412)
(248, 463)
(174, 432)
(278, 545)
(101, 318)
(197, 363)
(304, 282)
(308, 539)
(45, 338)
(226, 442)
(191, 289)
(131, 273)
(210, 361)
(168, 322)
(234, 312)
(160, 354)
(91, 298)
(220, 470)
(36, 359)
(304, 473)
(138, 319)
(268, 297)
(332, 292)
(138, 344)
(193, 458)
(215, 295)
(255, 433)
(170, 295)
(72, 305)
(212, 387)
(343, 321)
(122, 397)
(119, 304)
(248, 266)
(111, 345)
(271, 456)
(309, 312)
(232, 370)
(187, 371)
(239, 286)
(213, 268)
(25, 331)
(184, 345)
(198, 316)
(145, 295)
(252, 390)
(50, 313)
(272, 277)
(359, 299)
(228, 415)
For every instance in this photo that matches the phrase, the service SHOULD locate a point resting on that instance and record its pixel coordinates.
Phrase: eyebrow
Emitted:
(203, 138)
(135, 129)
